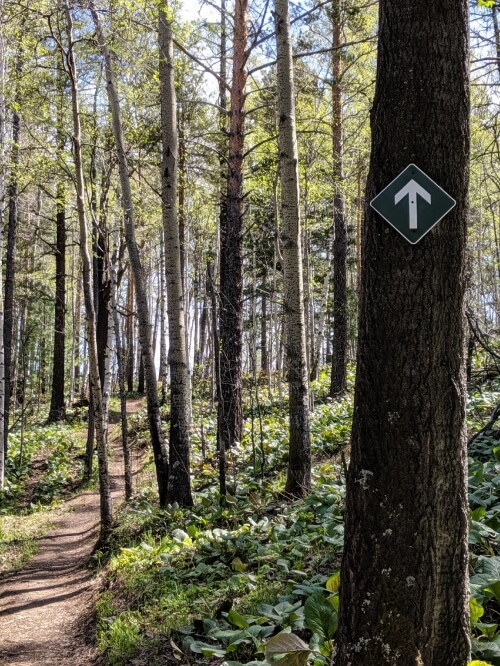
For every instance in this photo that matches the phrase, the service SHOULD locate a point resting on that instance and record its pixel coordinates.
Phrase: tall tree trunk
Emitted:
(130, 327)
(104, 485)
(298, 482)
(179, 481)
(338, 382)
(115, 277)
(404, 584)
(162, 374)
(10, 264)
(57, 406)
(57, 411)
(230, 418)
(264, 354)
(2, 192)
(153, 405)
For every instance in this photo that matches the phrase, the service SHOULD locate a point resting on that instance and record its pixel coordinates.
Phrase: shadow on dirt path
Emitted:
(45, 607)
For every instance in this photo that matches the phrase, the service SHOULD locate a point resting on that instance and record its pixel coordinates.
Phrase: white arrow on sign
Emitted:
(412, 189)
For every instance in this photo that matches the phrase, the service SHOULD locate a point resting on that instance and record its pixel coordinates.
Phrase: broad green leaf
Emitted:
(333, 583)
(320, 617)
(478, 513)
(476, 662)
(486, 3)
(292, 646)
(488, 630)
(476, 611)
(238, 620)
(238, 565)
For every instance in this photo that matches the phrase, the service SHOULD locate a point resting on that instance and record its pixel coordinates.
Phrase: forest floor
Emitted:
(44, 608)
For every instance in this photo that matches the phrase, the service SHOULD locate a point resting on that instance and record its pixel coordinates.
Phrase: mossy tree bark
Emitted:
(404, 591)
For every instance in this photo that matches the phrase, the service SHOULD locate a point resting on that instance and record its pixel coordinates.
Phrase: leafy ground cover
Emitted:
(257, 580)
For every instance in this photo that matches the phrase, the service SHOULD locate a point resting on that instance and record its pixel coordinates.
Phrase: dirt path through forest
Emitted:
(45, 607)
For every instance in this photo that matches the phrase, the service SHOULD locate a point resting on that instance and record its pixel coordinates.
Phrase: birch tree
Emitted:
(179, 482)
(144, 322)
(90, 317)
(298, 481)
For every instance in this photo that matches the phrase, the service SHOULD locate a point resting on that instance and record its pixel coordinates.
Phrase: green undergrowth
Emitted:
(42, 468)
(19, 537)
(256, 581)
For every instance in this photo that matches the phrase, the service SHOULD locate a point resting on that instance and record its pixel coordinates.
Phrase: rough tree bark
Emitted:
(230, 418)
(179, 481)
(298, 482)
(404, 588)
(145, 333)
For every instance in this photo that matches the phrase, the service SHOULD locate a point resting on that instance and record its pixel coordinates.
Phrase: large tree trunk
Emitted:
(157, 441)
(298, 480)
(230, 418)
(338, 382)
(404, 587)
(90, 316)
(179, 481)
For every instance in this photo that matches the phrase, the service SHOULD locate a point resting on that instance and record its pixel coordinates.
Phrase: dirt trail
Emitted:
(43, 607)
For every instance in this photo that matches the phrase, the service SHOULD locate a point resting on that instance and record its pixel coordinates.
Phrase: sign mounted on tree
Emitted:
(413, 203)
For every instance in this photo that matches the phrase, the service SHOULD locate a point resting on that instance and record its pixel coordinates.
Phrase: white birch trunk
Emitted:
(299, 464)
(179, 483)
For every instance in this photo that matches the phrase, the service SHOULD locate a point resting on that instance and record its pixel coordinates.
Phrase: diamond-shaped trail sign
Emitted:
(413, 203)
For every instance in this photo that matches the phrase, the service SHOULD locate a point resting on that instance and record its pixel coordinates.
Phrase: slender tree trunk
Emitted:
(318, 345)
(264, 354)
(158, 444)
(338, 383)
(120, 362)
(104, 485)
(179, 481)
(57, 410)
(10, 264)
(163, 343)
(404, 584)
(298, 481)
(230, 419)
(221, 451)
(130, 327)
(2, 193)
